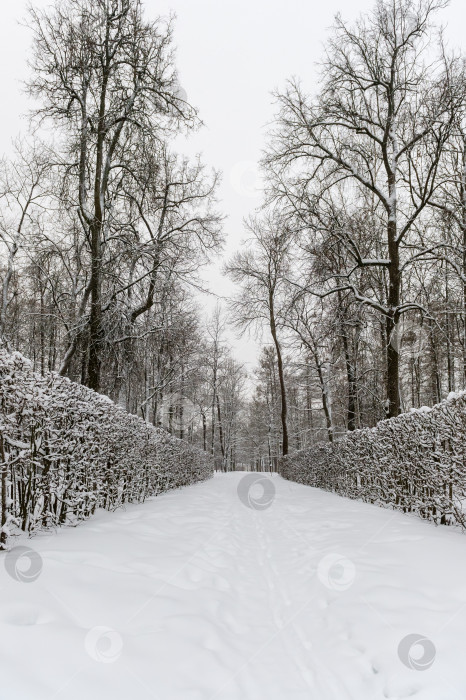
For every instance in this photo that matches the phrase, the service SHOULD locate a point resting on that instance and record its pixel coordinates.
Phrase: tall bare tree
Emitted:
(105, 76)
(24, 191)
(379, 125)
(261, 271)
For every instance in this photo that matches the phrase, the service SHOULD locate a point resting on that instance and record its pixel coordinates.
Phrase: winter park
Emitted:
(233, 350)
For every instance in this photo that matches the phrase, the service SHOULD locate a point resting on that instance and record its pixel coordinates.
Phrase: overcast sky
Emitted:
(231, 55)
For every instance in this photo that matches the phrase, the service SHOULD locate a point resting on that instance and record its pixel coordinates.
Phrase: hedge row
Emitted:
(415, 463)
(66, 450)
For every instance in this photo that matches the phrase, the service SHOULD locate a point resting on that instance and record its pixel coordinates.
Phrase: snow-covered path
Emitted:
(194, 596)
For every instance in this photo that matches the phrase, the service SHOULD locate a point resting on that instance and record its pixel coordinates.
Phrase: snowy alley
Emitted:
(224, 591)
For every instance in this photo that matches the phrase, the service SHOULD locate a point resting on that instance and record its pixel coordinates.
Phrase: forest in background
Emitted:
(355, 265)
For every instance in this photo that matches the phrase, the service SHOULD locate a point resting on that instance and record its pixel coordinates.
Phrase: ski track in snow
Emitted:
(194, 596)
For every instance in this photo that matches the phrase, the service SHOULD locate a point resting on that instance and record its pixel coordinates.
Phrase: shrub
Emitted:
(66, 450)
(415, 463)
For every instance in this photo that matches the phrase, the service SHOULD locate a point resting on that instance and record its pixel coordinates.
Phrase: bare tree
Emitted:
(261, 271)
(450, 202)
(379, 125)
(105, 76)
(308, 325)
(215, 333)
(24, 188)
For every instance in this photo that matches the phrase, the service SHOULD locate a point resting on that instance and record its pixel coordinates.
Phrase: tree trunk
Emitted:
(463, 226)
(5, 289)
(281, 379)
(449, 338)
(4, 501)
(393, 358)
(42, 322)
(325, 395)
(434, 368)
(204, 431)
(350, 373)
(214, 400)
(95, 321)
(220, 430)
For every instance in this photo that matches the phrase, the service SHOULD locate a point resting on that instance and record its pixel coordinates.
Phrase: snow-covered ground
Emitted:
(196, 596)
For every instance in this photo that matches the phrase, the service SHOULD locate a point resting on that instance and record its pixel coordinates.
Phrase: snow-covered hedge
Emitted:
(66, 450)
(415, 463)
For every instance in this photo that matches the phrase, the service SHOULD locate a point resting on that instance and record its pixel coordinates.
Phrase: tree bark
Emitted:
(4, 507)
(393, 358)
(350, 373)
(220, 430)
(95, 321)
(281, 378)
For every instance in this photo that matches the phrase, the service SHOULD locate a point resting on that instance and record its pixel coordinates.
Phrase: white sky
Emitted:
(231, 55)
